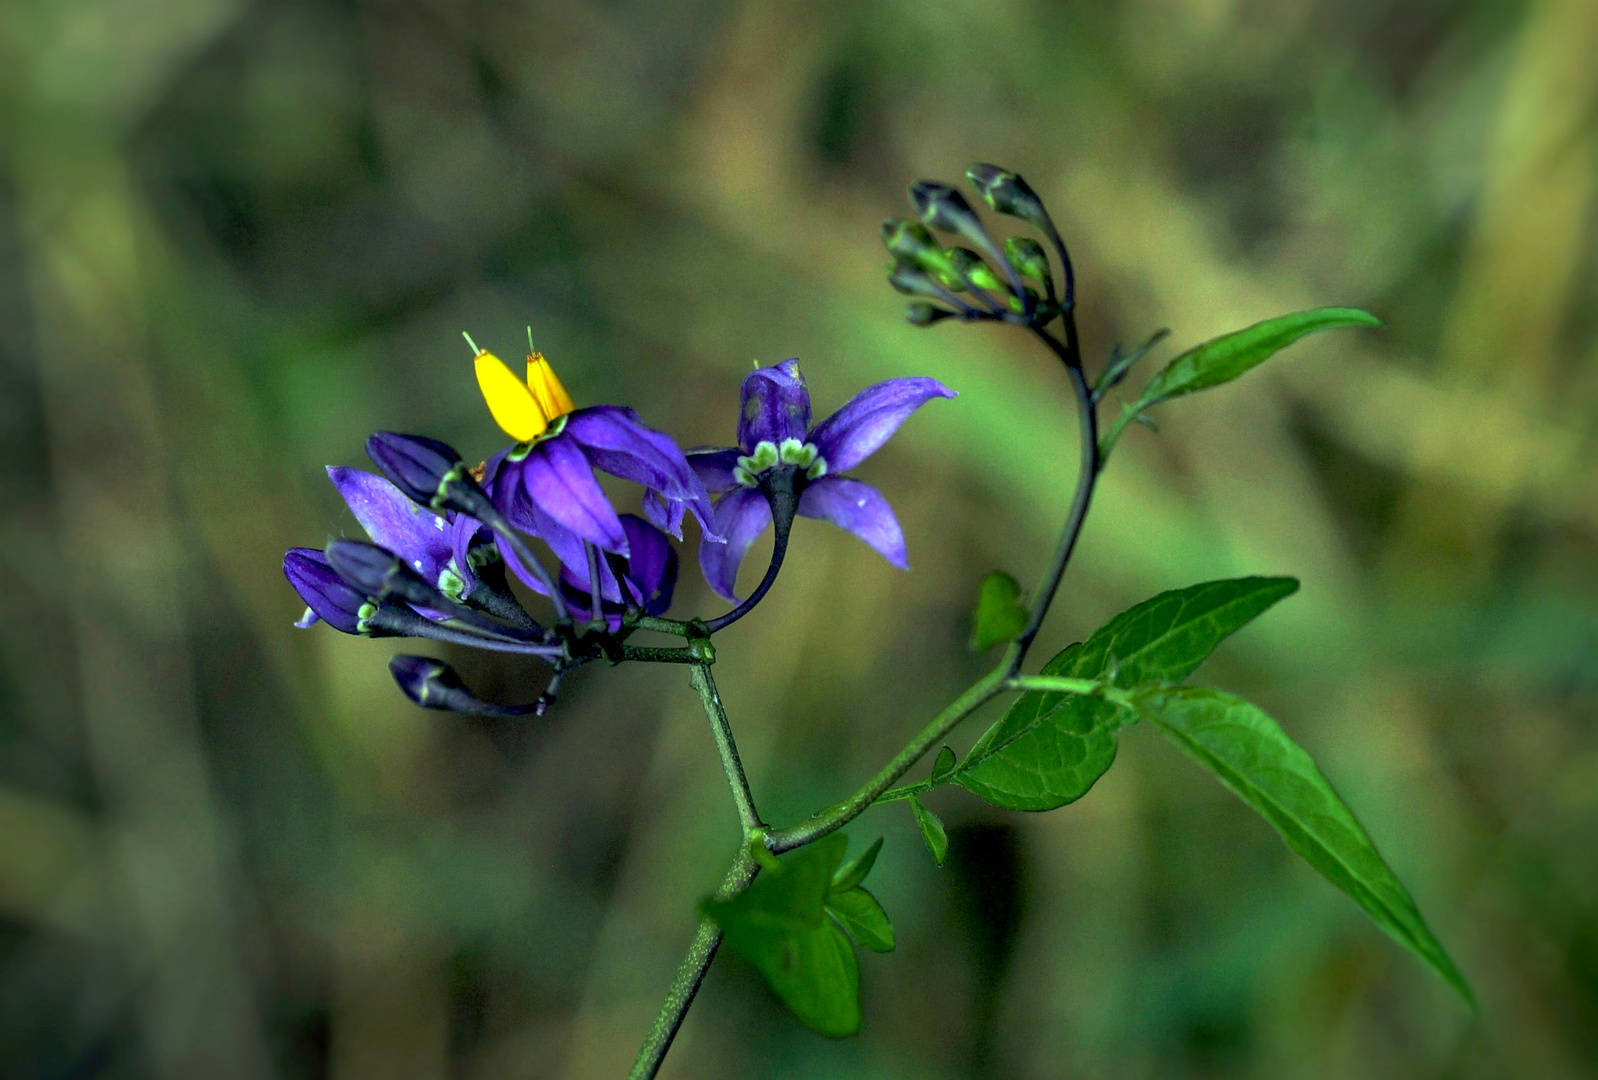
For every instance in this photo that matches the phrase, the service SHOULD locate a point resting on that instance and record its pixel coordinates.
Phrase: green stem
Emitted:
(690, 974)
(840, 814)
(699, 675)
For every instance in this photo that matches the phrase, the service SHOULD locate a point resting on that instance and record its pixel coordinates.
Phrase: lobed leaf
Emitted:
(780, 925)
(858, 912)
(1049, 748)
(1246, 750)
(1000, 615)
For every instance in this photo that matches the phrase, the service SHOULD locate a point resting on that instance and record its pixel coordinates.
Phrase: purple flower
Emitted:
(774, 432)
(551, 469)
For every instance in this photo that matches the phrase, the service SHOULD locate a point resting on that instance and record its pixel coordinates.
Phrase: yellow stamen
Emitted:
(546, 387)
(512, 404)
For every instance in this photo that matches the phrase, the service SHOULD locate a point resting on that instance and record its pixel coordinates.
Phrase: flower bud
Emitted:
(1008, 194)
(327, 595)
(922, 313)
(433, 684)
(417, 465)
(911, 280)
(970, 267)
(1029, 258)
(380, 573)
(943, 207)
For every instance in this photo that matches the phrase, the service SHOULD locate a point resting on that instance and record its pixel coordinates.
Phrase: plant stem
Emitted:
(690, 973)
(780, 489)
(1070, 353)
(699, 675)
(840, 814)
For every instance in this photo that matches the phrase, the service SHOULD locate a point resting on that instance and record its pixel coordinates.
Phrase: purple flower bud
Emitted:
(328, 596)
(433, 684)
(943, 207)
(417, 465)
(368, 568)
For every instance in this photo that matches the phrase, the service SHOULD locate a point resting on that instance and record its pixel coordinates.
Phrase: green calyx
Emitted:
(363, 617)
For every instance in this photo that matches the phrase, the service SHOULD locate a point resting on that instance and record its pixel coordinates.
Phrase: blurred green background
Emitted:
(236, 238)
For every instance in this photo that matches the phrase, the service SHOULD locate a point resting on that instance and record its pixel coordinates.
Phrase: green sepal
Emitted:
(1000, 616)
(1030, 261)
(932, 830)
(858, 912)
(781, 926)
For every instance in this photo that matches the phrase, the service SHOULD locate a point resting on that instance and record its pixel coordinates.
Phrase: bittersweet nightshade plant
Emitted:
(443, 535)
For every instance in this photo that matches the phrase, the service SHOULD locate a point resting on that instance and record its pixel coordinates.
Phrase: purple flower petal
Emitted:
(869, 419)
(714, 465)
(324, 592)
(420, 537)
(774, 405)
(557, 478)
(465, 535)
(616, 441)
(741, 517)
(652, 566)
(859, 508)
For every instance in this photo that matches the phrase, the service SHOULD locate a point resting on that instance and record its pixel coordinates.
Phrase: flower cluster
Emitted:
(446, 540)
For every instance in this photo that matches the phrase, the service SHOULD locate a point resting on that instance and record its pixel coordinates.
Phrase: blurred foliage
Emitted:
(236, 238)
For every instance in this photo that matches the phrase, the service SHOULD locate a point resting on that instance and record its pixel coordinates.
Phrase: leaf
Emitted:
(1048, 749)
(942, 767)
(860, 914)
(932, 831)
(1223, 359)
(1000, 615)
(780, 925)
(1246, 750)
(855, 870)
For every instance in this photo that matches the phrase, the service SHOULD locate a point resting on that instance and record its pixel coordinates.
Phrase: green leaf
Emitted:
(1246, 750)
(860, 914)
(1050, 748)
(1224, 358)
(932, 831)
(942, 767)
(855, 870)
(780, 925)
(1000, 615)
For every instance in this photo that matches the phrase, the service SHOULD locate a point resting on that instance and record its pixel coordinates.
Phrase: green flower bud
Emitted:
(969, 266)
(1028, 257)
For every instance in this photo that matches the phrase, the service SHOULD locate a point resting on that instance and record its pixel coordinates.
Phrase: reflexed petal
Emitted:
(774, 405)
(714, 466)
(420, 537)
(323, 591)
(869, 419)
(465, 536)
(558, 479)
(861, 509)
(741, 517)
(616, 441)
(566, 545)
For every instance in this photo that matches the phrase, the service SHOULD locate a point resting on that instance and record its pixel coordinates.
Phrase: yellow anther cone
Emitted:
(546, 387)
(509, 400)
